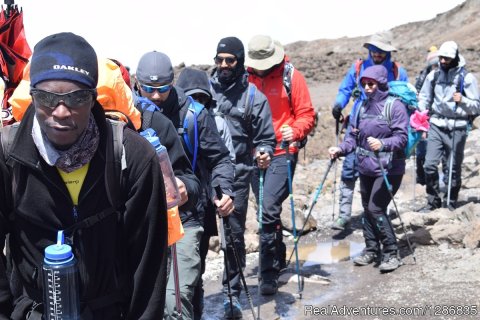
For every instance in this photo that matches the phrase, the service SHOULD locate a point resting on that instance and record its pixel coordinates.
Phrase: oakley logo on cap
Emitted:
(153, 78)
(71, 68)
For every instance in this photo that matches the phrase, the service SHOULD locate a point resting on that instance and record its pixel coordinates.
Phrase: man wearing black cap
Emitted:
(58, 176)
(209, 157)
(250, 122)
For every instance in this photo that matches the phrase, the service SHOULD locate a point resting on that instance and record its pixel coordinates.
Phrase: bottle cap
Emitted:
(155, 142)
(148, 133)
(60, 251)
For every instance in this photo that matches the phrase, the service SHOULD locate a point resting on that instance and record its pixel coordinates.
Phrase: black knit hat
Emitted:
(233, 46)
(64, 56)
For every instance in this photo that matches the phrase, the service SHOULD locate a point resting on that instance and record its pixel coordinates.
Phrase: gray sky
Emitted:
(189, 30)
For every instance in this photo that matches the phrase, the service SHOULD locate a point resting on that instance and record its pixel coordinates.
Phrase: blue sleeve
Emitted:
(346, 87)
(403, 76)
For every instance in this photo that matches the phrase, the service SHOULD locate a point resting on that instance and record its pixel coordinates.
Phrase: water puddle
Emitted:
(328, 252)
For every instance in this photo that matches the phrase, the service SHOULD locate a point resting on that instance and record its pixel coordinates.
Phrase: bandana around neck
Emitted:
(78, 155)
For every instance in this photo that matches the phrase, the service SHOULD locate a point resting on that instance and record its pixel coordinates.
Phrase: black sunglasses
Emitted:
(73, 100)
(228, 60)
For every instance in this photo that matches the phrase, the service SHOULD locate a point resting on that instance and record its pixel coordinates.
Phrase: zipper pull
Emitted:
(75, 213)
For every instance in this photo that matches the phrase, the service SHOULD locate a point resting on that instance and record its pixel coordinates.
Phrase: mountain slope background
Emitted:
(324, 62)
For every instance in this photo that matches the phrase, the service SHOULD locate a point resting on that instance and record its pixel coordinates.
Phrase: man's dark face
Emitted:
(62, 109)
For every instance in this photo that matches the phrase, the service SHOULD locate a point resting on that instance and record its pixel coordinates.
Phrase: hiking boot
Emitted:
(268, 287)
(389, 264)
(365, 259)
(236, 308)
(340, 224)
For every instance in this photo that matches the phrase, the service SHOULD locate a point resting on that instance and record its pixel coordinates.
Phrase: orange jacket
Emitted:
(113, 93)
(299, 116)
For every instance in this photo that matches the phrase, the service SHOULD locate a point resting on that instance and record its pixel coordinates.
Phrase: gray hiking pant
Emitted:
(439, 145)
(188, 256)
(347, 187)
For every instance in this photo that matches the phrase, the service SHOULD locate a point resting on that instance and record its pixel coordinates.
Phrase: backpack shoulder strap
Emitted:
(396, 73)
(287, 79)
(249, 101)
(358, 67)
(387, 109)
(190, 128)
(115, 164)
(7, 136)
(147, 116)
(436, 74)
(461, 80)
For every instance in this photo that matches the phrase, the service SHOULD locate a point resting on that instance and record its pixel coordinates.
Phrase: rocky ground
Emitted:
(441, 279)
(438, 280)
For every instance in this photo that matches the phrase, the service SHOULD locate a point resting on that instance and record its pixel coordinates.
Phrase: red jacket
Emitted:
(300, 115)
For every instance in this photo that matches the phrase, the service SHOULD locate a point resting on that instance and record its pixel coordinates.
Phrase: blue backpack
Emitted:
(187, 129)
(407, 94)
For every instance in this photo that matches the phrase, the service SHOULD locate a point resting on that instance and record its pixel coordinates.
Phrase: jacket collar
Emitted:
(24, 149)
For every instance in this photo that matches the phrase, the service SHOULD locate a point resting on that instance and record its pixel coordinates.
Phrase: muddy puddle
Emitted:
(327, 252)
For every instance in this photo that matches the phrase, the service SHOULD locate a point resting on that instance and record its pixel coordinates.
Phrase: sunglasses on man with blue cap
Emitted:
(152, 89)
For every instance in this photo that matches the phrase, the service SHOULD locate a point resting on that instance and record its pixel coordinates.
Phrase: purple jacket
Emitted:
(372, 123)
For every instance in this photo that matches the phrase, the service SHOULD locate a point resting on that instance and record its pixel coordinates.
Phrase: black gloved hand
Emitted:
(337, 112)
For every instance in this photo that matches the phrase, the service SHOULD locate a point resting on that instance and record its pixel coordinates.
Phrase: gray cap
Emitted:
(155, 67)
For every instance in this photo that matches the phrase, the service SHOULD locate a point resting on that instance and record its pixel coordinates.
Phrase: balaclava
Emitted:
(231, 45)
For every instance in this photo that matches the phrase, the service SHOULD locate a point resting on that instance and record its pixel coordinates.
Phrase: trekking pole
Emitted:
(228, 230)
(334, 189)
(260, 230)
(223, 247)
(286, 146)
(389, 188)
(178, 299)
(312, 204)
(414, 178)
(450, 165)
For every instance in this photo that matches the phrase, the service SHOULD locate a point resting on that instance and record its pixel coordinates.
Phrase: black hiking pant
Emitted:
(377, 227)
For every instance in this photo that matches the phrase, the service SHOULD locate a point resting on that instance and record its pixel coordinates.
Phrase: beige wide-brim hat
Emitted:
(264, 53)
(382, 40)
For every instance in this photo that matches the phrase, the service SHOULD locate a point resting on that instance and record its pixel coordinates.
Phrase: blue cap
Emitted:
(58, 253)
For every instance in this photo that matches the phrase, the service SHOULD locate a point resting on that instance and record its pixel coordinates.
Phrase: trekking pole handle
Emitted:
(284, 144)
(218, 192)
(384, 174)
